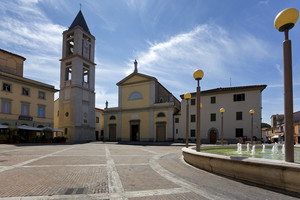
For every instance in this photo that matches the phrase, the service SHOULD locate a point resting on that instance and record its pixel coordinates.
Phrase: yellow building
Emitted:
(144, 113)
(26, 105)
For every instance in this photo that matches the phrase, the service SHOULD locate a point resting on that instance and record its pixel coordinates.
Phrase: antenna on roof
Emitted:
(230, 81)
(80, 5)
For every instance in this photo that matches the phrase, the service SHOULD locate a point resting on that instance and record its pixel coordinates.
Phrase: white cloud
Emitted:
(25, 28)
(209, 47)
(279, 68)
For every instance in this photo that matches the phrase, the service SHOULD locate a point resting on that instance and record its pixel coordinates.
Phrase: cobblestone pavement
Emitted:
(112, 171)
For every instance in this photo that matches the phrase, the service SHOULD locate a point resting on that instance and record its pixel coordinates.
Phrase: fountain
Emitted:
(253, 150)
(239, 148)
(275, 148)
(248, 148)
(263, 148)
(283, 149)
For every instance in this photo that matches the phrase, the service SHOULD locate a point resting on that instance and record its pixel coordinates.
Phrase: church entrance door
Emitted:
(135, 135)
(161, 132)
(112, 133)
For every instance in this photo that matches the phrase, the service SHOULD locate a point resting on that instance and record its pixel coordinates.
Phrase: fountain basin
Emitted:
(266, 172)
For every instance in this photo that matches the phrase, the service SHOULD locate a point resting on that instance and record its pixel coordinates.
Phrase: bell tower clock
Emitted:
(77, 82)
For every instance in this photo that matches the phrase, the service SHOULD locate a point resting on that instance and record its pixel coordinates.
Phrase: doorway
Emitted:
(213, 137)
(112, 133)
(135, 133)
(161, 131)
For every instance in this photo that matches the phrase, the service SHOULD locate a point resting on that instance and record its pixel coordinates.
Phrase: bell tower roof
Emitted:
(80, 21)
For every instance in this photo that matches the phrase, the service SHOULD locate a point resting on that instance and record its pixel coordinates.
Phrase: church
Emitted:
(144, 113)
(76, 104)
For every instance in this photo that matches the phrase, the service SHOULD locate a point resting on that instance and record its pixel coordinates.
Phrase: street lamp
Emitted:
(222, 110)
(251, 113)
(187, 96)
(198, 75)
(284, 21)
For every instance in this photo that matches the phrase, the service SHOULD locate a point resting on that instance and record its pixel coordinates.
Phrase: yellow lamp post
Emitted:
(251, 113)
(222, 110)
(187, 96)
(284, 21)
(198, 75)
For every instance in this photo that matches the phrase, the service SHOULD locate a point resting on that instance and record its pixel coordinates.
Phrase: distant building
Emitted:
(237, 101)
(144, 113)
(26, 105)
(266, 133)
(297, 127)
(99, 125)
(76, 110)
(277, 128)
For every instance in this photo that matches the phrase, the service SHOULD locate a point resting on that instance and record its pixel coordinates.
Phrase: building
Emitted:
(277, 127)
(76, 114)
(237, 101)
(99, 126)
(144, 113)
(266, 134)
(297, 127)
(26, 105)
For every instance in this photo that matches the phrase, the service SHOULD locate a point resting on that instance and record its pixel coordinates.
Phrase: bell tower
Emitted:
(77, 82)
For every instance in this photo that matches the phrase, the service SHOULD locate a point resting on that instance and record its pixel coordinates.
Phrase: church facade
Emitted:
(144, 113)
(76, 104)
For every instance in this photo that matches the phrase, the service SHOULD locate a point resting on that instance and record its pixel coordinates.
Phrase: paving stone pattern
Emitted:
(100, 170)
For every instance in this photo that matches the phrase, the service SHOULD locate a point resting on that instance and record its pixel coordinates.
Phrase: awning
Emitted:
(276, 136)
(53, 129)
(30, 128)
(3, 126)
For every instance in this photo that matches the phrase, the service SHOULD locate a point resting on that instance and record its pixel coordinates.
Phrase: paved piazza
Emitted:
(112, 171)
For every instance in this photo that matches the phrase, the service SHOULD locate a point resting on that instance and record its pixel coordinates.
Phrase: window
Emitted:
(213, 117)
(239, 132)
(6, 106)
(161, 114)
(193, 118)
(6, 87)
(193, 102)
(97, 120)
(85, 73)
(41, 111)
(68, 73)
(135, 95)
(239, 97)
(193, 133)
(239, 115)
(112, 117)
(70, 44)
(66, 131)
(299, 128)
(42, 95)
(25, 91)
(176, 130)
(25, 109)
(176, 120)
(212, 100)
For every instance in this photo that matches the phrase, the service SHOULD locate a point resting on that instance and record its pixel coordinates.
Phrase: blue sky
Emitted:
(232, 41)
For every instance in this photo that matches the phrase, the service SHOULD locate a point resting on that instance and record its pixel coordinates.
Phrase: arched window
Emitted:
(161, 114)
(135, 95)
(112, 117)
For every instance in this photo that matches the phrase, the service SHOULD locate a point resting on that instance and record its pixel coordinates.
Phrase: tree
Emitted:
(265, 125)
